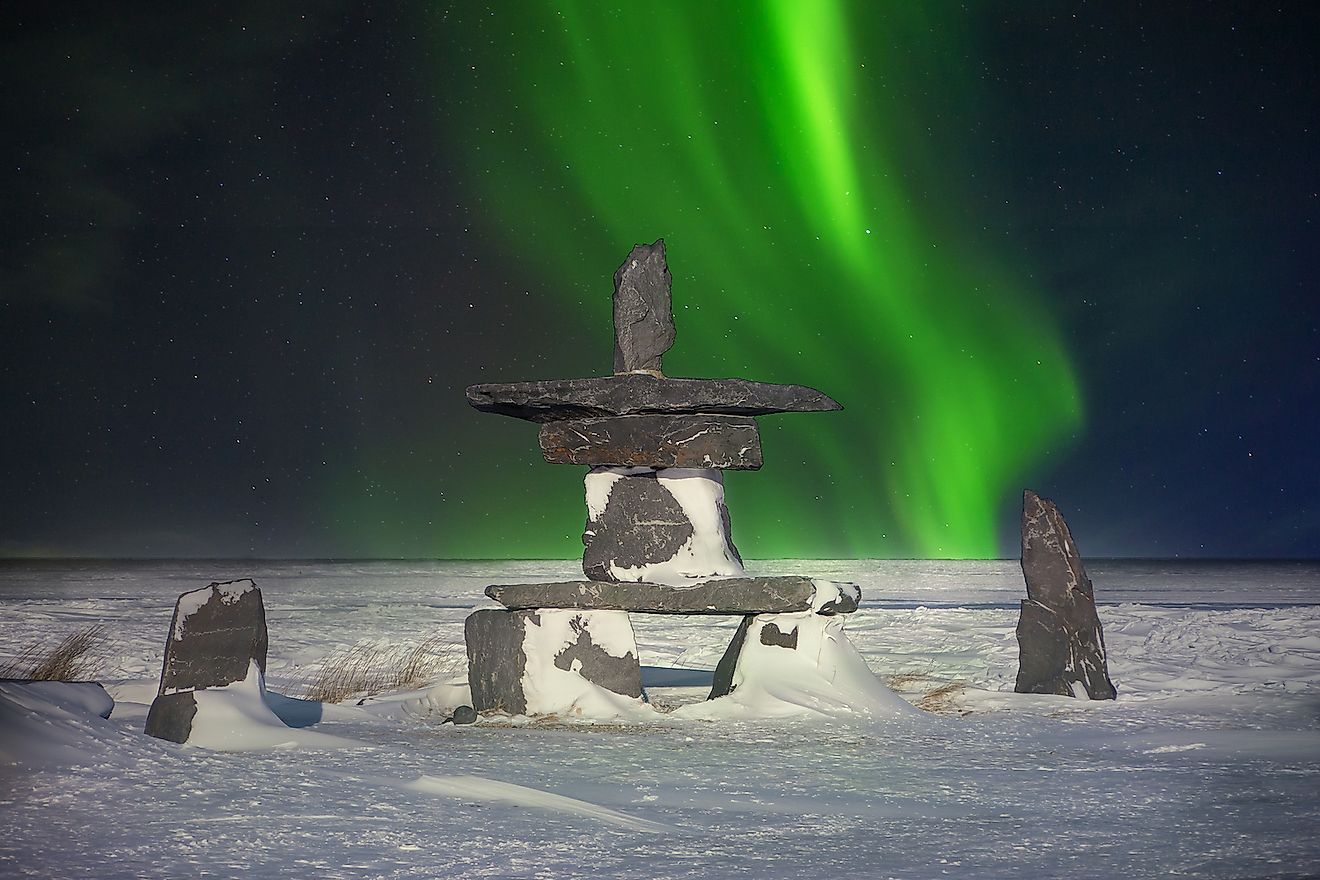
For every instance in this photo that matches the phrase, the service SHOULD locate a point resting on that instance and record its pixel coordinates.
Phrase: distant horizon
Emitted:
(337, 559)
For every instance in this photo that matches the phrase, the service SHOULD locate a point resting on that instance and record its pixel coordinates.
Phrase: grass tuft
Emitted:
(78, 657)
(368, 669)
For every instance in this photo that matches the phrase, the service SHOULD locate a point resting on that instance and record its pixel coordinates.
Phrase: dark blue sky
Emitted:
(238, 258)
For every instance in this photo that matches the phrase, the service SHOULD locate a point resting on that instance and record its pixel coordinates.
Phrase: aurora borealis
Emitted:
(252, 268)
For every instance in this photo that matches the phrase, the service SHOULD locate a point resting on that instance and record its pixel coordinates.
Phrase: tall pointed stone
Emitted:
(1060, 641)
(643, 310)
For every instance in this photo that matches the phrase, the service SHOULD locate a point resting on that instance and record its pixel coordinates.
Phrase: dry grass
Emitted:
(365, 670)
(78, 657)
(931, 693)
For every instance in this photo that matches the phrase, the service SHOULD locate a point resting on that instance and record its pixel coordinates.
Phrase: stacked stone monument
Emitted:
(657, 538)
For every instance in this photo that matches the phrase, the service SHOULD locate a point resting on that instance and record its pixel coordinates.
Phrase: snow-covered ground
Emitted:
(1208, 764)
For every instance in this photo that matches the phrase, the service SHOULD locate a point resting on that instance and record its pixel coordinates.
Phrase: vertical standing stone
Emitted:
(216, 632)
(1060, 642)
(643, 310)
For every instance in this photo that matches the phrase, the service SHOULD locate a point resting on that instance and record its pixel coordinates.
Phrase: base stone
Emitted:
(552, 662)
(662, 526)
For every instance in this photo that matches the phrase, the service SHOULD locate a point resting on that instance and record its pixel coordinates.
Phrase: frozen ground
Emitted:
(1207, 765)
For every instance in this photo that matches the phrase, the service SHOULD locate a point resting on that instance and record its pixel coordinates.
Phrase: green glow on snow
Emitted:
(777, 147)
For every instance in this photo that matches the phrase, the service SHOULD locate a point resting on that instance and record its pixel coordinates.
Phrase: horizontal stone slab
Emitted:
(557, 400)
(737, 596)
(655, 441)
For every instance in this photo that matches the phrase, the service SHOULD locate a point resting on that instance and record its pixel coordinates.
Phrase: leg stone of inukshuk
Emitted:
(803, 659)
(1060, 642)
(663, 526)
(552, 662)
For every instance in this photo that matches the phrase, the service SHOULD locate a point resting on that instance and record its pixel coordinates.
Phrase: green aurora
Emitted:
(815, 235)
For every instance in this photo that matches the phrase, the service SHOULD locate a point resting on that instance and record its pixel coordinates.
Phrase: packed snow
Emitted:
(1207, 764)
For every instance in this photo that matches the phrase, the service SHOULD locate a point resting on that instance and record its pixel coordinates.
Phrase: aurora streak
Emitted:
(779, 151)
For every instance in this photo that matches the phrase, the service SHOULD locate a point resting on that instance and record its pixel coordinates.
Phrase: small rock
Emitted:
(464, 715)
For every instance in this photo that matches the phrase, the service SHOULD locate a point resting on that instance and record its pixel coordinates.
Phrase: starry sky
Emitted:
(252, 254)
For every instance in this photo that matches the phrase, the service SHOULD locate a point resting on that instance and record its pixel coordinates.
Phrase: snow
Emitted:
(1207, 764)
(190, 602)
(236, 718)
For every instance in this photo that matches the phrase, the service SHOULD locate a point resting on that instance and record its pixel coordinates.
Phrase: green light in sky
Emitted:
(777, 147)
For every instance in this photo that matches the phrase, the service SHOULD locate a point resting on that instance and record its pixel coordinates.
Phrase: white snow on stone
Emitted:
(600, 481)
(235, 718)
(822, 675)
(550, 690)
(833, 591)
(700, 492)
(188, 604)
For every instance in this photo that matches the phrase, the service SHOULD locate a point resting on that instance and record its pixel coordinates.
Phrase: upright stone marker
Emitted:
(215, 633)
(1061, 645)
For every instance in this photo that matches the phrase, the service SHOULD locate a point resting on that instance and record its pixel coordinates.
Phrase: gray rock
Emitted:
(498, 664)
(216, 631)
(496, 660)
(464, 715)
(772, 636)
(1059, 636)
(643, 524)
(723, 682)
(655, 441)
(643, 310)
(736, 595)
(556, 400)
(171, 716)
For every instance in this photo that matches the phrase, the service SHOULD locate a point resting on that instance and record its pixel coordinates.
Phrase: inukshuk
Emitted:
(657, 538)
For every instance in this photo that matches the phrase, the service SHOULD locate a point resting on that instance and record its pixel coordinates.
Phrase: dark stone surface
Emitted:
(739, 595)
(772, 636)
(642, 523)
(171, 716)
(643, 310)
(1059, 636)
(845, 604)
(212, 645)
(464, 715)
(556, 400)
(496, 660)
(723, 683)
(655, 441)
(623, 675)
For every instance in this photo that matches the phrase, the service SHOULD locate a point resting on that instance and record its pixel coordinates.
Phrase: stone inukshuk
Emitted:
(657, 538)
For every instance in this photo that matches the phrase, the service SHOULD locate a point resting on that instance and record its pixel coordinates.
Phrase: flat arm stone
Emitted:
(556, 400)
(733, 596)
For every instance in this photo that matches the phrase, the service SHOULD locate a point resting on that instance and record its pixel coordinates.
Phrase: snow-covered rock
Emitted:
(792, 664)
(554, 662)
(664, 526)
(215, 634)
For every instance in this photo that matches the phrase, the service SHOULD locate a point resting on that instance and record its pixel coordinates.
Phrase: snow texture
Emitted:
(1207, 764)
(236, 718)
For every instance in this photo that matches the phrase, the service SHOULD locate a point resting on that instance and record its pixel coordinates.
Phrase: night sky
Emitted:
(251, 256)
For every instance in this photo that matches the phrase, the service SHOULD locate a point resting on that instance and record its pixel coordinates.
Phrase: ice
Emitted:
(1206, 765)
